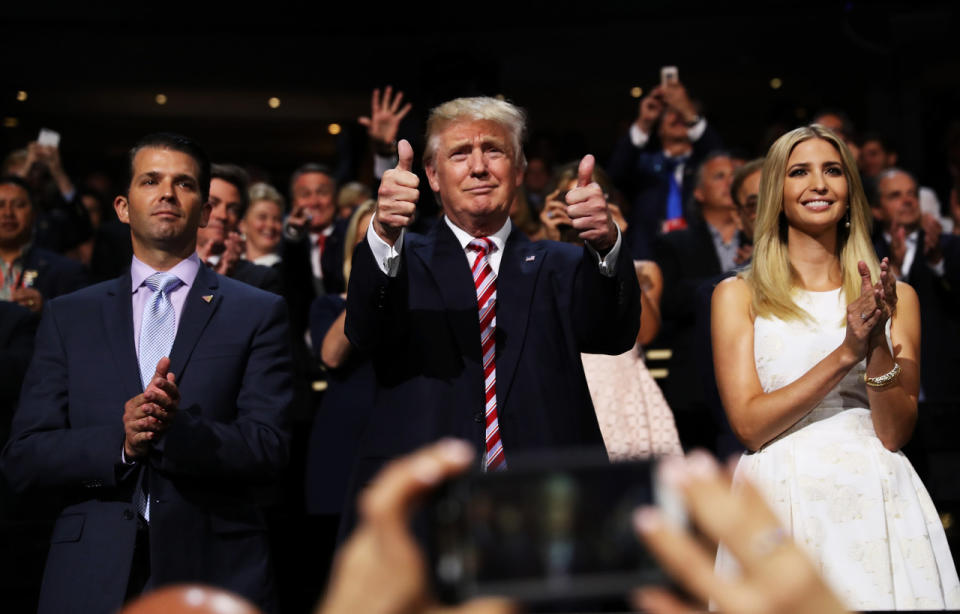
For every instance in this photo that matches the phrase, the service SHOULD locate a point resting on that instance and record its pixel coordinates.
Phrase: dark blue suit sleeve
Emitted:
(45, 449)
(607, 309)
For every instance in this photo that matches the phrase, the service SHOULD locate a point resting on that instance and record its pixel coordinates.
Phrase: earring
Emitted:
(846, 223)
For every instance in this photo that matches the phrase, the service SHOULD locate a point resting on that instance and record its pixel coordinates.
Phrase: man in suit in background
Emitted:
(155, 405)
(475, 331)
(929, 260)
(29, 274)
(219, 244)
(654, 165)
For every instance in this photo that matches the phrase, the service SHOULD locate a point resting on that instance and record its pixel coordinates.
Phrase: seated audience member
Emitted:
(777, 577)
(745, 192)
(688, 258)
(61, 219)
(654, 165)
(351, 196)
(98, 211)
(29, 275)
(262, 225)
(219, 245)
(929, 260)
(634, 418)
(877, 154)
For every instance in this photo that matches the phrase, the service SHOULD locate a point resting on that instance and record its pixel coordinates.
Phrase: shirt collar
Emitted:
(186, 271)
(499, 238)
(910, 238)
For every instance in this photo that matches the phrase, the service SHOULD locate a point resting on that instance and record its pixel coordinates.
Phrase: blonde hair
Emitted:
(265, 191)
(350, 237)
(771, 276)
(478, 108)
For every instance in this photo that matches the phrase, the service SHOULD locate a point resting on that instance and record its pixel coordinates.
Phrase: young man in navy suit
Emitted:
(161, 463)
(421, 304)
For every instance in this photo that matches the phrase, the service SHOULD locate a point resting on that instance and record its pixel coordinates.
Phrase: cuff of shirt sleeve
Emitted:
(123, 458)
(696, 131)
(938, 269)
(387, 256)
(381, 164)
(608, 263)
(638, 137)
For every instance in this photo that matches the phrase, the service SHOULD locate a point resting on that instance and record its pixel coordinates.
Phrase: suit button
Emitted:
(128, 514)
(478, 417)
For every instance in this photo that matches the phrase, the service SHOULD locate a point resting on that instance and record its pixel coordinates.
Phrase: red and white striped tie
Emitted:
(485, 281)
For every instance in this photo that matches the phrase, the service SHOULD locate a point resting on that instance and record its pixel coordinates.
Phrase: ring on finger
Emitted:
(864, 315)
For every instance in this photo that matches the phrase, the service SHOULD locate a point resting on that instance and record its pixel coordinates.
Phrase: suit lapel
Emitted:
(202, 301)
(118, 324)
(446, 263)
(519, 268)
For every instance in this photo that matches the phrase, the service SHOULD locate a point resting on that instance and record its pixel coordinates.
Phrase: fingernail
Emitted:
(456, 450)
(701, 464)
(647, 519)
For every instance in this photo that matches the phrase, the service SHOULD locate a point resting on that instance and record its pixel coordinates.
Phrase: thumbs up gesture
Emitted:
(397, 196)
(587, 208)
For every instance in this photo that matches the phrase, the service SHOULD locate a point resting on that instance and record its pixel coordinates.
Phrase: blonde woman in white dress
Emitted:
(816, 350)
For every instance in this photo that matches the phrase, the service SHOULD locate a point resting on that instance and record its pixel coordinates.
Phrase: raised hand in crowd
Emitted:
(384, 119)
(588, 210)
(397, 196)
(554, 216)
(650, 109)
(898, 246)
(776, 576)
(380, 569)
(674, 96)
(47, 156)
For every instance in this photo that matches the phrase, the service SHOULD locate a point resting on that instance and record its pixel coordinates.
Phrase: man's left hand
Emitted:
(588, 211)
(28, 297)
(931, 238)
(164, 393)
(233, 249)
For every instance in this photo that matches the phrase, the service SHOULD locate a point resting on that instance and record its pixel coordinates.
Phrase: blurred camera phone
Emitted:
(546, 530)
(49, 137)
(669, 75)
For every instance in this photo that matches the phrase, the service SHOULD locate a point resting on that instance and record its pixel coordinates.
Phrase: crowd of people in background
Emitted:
(686, 217)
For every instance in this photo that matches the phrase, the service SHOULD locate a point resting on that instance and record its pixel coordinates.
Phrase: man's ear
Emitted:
(121, 206)
(432, 178)
(698, 194)
(205, 214)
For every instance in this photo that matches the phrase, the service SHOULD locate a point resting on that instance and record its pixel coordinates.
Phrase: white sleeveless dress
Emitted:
(859, 510)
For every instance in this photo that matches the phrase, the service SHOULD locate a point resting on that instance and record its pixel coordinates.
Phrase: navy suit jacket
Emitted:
(422, 330)
(205, 475)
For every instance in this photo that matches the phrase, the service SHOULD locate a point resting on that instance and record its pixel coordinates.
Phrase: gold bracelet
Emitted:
(884, 380)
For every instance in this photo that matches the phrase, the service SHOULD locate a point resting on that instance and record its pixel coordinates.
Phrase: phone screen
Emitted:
(563, 530)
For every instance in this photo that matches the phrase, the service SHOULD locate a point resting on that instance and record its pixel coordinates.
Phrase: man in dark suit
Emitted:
(689, 257)
(29, 274)
(476, 332)
(218, 243)
(654, 165)
(160, 462)
(929, 260)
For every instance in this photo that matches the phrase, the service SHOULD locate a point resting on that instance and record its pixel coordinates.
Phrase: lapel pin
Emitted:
(207, 298)
(530, 258)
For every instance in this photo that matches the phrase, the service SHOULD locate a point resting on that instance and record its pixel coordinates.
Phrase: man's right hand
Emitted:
(651, 107)
(397, 197)
(148, 414)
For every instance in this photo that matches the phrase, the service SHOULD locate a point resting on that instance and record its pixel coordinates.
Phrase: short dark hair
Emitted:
(741, 174)
(20, 183)
(173, 142)
(310, 167)
(872, 187)
(238, 178)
